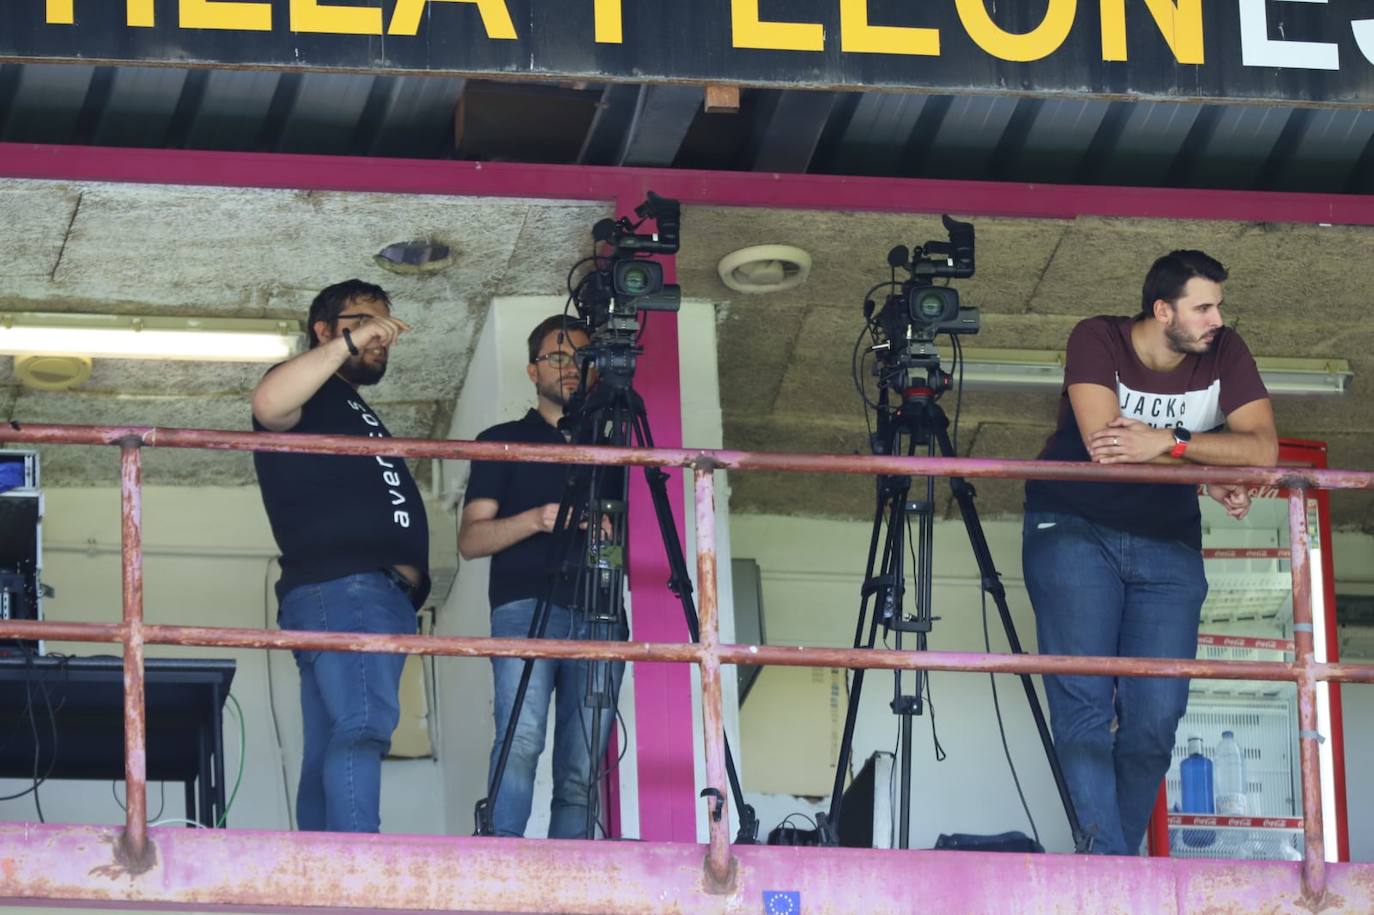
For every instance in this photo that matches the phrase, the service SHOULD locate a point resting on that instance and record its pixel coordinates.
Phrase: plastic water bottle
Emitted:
(1231, 799)
(1196, 774)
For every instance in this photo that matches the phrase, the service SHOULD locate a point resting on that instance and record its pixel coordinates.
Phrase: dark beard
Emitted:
(359, 373)
(554, 394)
(1187, 346)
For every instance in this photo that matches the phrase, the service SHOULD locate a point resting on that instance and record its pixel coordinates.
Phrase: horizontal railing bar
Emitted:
(769, 655)
(158, 437)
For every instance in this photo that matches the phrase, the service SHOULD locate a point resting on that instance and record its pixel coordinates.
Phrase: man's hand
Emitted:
(1234, 497)
(1128, 441)
(378, 331)
(543, 517)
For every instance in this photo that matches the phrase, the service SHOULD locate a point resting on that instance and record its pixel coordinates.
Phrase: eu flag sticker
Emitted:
(781, 902)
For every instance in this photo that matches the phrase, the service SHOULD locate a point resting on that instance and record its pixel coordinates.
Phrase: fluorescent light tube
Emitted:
(138, 337)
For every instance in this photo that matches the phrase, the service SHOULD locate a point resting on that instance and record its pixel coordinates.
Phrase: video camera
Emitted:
(918, 311)
(921, 307)
(610, 297)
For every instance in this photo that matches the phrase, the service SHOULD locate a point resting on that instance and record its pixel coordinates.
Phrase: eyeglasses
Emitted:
(361, 317)
(558, 359)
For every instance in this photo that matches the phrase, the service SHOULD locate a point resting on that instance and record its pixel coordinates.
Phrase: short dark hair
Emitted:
(1171, 273)
(332, 301)
(549, 325)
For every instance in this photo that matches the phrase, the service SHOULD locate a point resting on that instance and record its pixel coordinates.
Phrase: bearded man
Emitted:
(1115, 569)
(354, 541)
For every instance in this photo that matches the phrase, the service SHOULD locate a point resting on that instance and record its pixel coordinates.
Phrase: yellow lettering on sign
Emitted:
(1039, 42)
(226, 14)
(1181, 26)
(137, 13)
(610, 22)
(495, 17)
(748, 31)
(60, 12)
(856, 34)
(309, 16)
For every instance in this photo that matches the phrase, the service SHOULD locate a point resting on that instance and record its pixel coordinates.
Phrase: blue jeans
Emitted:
(1099, 591)
(566, 682)
(349, 700)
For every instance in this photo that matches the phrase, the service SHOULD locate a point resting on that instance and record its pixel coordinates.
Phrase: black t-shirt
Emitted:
(524, 569)
(1196, 395)
(334, 515)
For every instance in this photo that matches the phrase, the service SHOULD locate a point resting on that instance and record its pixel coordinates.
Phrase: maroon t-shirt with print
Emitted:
(1197, 395)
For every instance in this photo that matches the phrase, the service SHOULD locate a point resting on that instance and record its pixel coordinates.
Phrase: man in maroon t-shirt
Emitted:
(1115, 569)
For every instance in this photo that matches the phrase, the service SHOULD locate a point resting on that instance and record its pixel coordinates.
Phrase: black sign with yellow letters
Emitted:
(1303, 51)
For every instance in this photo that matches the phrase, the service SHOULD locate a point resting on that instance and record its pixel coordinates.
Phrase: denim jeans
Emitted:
(565, 681)
(1100, 591)
(349, 700)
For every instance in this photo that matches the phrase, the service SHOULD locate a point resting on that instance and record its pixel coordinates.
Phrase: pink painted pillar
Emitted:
(663, 692)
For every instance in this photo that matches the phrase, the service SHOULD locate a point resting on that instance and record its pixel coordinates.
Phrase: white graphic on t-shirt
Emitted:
(390, 477)
(1196, 411)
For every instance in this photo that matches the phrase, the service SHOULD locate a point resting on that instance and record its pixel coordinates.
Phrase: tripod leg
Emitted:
(881, 585)
(482, 812)
(992, 584)
(680, 583)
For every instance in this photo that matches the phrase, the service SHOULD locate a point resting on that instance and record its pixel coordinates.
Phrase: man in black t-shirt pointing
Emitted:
(509, 514)
(1115, 569)
(354, 542)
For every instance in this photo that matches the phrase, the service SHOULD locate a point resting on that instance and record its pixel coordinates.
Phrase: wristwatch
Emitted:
(1181, 439)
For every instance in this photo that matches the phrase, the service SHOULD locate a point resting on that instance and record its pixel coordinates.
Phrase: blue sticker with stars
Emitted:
(781, 902)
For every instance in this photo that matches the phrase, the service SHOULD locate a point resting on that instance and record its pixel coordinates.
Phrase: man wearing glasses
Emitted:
(354, 541)
(509, 514)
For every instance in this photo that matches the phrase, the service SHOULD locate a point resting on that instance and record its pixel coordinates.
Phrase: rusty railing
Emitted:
(135, 854)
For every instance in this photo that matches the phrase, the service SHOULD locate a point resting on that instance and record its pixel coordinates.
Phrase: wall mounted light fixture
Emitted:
(142, 337)
(1021, 368)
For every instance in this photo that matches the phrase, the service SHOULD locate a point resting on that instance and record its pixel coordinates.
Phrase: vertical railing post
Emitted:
(135, 839)
(719, 863)
(1314, 851)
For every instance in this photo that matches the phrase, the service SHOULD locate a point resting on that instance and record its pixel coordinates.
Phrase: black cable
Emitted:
(33, 729)
(1001, 727)
(595, 775)
(796, 813)
(573, 270)
(940, 754)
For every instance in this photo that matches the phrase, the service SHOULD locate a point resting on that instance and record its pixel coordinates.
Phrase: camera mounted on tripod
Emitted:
(625, 283)
(919, 310)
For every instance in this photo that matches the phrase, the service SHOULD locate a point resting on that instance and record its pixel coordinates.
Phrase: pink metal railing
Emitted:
(134, 853)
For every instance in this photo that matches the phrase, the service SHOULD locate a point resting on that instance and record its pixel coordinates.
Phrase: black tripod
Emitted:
(612, 413)
(920, 421)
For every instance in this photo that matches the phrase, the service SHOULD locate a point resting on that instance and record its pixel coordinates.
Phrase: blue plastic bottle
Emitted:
(1196, 774)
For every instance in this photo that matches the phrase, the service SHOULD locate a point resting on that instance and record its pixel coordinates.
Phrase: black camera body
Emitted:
(920, 310)
(627, 282)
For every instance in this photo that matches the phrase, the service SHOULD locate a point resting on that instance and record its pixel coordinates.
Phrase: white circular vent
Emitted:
(52, 373)
(765, 268)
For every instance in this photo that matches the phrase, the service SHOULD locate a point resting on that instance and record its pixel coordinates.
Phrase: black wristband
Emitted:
(348, 340)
